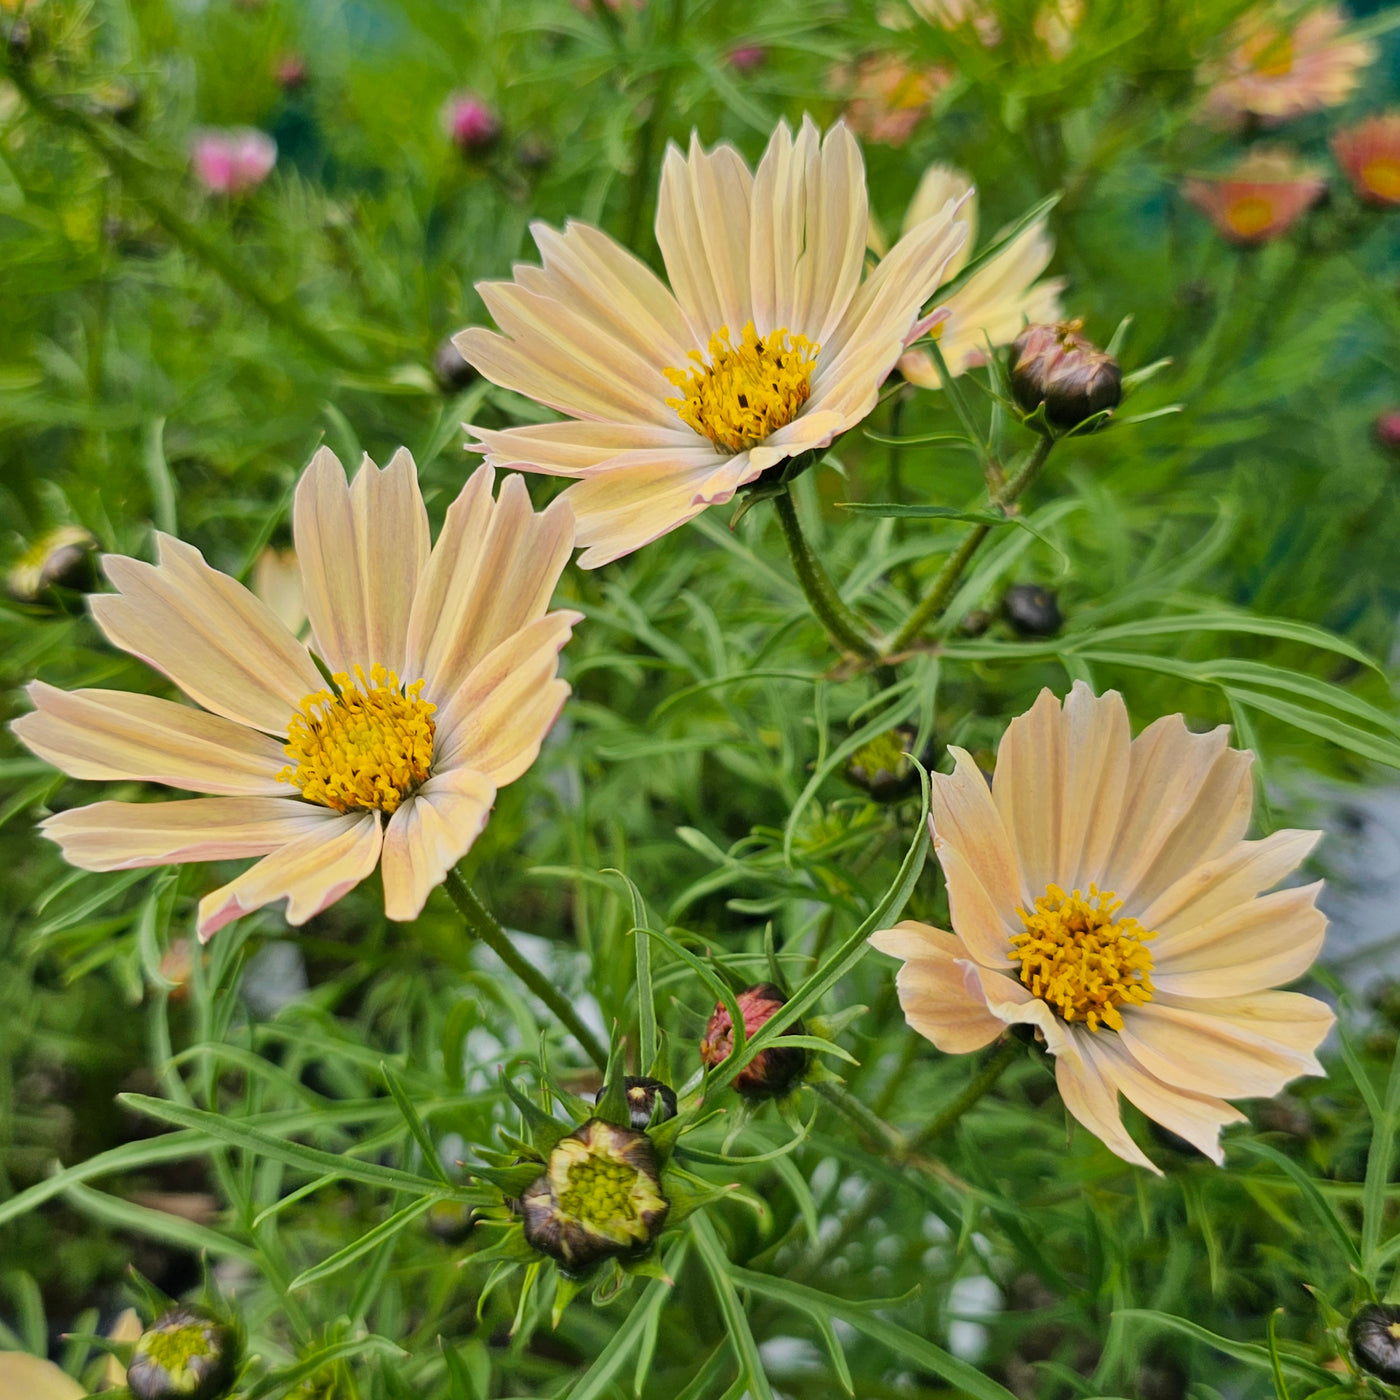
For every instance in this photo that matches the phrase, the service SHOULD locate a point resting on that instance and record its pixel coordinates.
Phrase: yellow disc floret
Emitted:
(745, 391)
(361, 747)
(1082, 959)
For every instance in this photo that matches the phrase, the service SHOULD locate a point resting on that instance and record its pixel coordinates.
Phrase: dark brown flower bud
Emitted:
(451, 371)
(642, 1097)
(774, 1070)
(1033, 611)
(598, 1197)
(1374, 1335)
(882, 766)
(1071, 376)
(59, 558)
(186, 1354)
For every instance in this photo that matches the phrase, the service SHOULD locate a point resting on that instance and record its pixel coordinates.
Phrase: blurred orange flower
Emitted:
(888, 97)
(1369, 153)
(1261, 198)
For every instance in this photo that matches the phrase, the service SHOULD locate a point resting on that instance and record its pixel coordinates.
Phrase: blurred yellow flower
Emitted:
(770, 346)
(382, 771)
(1102, 891)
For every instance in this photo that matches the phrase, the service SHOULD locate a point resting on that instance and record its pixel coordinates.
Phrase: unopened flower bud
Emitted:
(1031, 610)
(642, 1097)
(59, 558)
(534, 152)
(1386, 430)
(118, 100)
(1071, 376)
(598, 1197)
(186, 1354)
(774, 1069)
(290, 71)
(450, 1221)
(451, 371)
(747, 57)
(1374, 1335)
(882, 766)
(470, 122)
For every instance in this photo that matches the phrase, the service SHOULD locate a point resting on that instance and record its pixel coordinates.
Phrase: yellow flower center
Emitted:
(1078, 956)
(746, 391)
(1275, 58)
(1249, 215)
(362, 748)
(1381, 177)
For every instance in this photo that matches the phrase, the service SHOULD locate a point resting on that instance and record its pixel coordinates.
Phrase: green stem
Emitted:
(842, 625)
(981, 1082)
(942, 589)
(889, 1138)
(484, 924)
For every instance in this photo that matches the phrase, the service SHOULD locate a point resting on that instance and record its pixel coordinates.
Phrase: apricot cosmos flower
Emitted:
(770, 345)
(444, 684)
(1102, 891)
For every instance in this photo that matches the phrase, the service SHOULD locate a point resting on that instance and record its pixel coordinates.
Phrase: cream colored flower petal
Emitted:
(1028, 787)
(1195, 1117)
(221, 645)
(310, 873)
(933, 991)
(1262, 943)
(1230, 1047)
(807, 245)
(937, 185)
(1188, 801)
(572, 448)
(491, 573)
(983, 921)
(1230, 879)
(622, 508)
(806, 432)
(111, 735)
(1011, 1002)
(428, 835)
(496, 721)
(128, 835)
(1093, 1100)
(702, 227)
(277, 581)
(963, 814)
(362, 549)
(26, 1377)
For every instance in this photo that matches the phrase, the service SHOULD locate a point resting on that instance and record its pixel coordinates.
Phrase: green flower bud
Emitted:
(773, 1071)
(642, 1094)
(450, 1221)
(61, 557)
(882, 767)
(186, 1354)
(598, 1197)
(1374, 1335)
(1070, 375)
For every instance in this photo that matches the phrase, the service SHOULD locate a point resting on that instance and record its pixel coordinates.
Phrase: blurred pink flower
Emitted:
(470, 122)
(290, 71)
(229, 160)
(747, 57)
(888, 97)
(1262, 197)
(1369, 152)
(1284, 68)
(953, 14)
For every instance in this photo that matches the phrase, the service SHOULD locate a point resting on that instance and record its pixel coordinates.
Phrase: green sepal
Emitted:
(613, 1107)
(688, 1193)
(511, 1248)
(503, 1270)
(613, 1284)
(544, 1129)
(830, 1026)
(566, 1289)
(575, 1105)
(816, 1073)
(659, 1064)
(664, 1136)
(151, 1301)
(509, 1181)
(649, 1267)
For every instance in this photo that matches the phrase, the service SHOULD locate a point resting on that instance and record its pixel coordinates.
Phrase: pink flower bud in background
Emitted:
(229, 160)
(1386, 430)
(471, 124)
(290, 71)
(747, 57)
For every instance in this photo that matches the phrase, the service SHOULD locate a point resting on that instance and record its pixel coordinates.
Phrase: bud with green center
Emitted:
(1056, 366)
(598, 1197)
(60, 557)
(774, 1070)
(186, 1354)
(882, 766)
(1374, 1335)
(643, 1095)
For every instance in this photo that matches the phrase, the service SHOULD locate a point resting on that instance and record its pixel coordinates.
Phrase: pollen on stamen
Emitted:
(361, 747)
(745, 392)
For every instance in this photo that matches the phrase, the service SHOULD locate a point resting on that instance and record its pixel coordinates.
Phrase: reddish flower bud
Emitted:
(772, 1071)
(290, 71)
(747, 57)
(470, 122)
(1386, 430)
(1070, 375)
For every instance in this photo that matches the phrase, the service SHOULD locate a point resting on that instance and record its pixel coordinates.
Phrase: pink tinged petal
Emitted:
(1012, 1003)
(1230, 1047)
(805, 432)
(1225, 881)
(497, 720)
(362, 549)
(1028, 788)
(963, 815)
(1097, 738)
(111, 735)
(428, 835)
(573, 448)
(310, 873)
(619, 509)
(220, 644)
(130, 835)
(702, 228)
(1093, 1100)
(491, 574)
(1196, 1117)
(1259, 944)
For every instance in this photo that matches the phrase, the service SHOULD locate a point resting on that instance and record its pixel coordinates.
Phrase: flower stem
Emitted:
(937, 597)
(842, 625)
(888, 1137)
(981, 1082)
(484, 924)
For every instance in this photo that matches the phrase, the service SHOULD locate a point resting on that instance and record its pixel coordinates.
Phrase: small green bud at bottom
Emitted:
(184, 1355)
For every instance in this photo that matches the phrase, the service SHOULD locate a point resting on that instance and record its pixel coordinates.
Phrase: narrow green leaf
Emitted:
(646, 995)
(1247, 1352)
(722, 1273)
(385, 1231)
(158, 1224)
(1327, 1217)
(416, 1125)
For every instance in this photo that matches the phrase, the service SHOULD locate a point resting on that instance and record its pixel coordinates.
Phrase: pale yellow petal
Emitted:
(428, 835)
(112, 735)
(911, 939)
(1093, 1100)
(963, 814)
(127, 835)
(1028, 787)
(1097, 738)
(572, 448)
(221, 645)
(310, 873)
(362, 549)
(1011, 1002)
(984, 922)
(809, 430)
(938, 184)
(491, 573)
(26, 1377)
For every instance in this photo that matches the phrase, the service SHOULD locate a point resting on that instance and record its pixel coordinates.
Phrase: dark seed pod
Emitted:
(772, 1072)
(1374, 1335)
(882, 767)
(451, 371)
(186, 1354)
(642, 1097)
(1033, 611)
(1070, 375)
